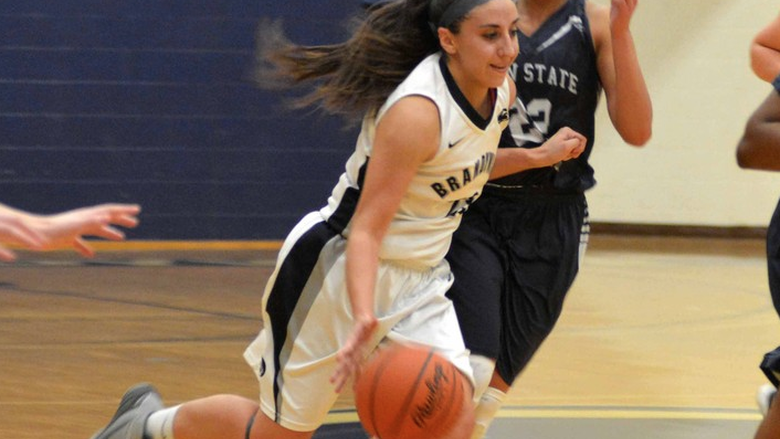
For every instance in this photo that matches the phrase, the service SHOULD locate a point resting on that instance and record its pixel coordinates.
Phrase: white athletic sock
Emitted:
(486, 411)
(159, 425)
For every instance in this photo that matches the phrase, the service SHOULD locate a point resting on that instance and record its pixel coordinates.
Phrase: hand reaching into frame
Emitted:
(65, 229)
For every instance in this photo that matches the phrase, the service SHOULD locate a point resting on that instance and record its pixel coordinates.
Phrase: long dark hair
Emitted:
(358, 75)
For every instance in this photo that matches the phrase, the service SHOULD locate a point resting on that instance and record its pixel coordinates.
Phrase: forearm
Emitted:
(9, 211)
(361, 269)
(630, 108)
(513, 160)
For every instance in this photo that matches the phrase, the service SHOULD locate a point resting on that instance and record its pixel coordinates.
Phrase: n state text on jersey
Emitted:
(550, 75)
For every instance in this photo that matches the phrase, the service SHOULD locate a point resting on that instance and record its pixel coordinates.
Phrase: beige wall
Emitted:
(694, 54)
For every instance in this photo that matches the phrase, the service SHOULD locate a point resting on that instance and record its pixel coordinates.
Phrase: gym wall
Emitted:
(152, 102)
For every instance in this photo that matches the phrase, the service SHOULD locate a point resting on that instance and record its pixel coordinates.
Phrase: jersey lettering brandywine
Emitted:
(454, 183)
(444, 186)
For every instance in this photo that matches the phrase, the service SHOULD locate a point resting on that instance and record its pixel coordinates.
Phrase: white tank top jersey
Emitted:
(443, 188)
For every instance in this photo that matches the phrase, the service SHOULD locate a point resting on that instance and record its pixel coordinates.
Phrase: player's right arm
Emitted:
(759, 147)
(765, 51)
(406, 136)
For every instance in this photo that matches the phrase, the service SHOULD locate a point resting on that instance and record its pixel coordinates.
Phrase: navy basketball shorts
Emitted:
(773, 257)
(514, 258)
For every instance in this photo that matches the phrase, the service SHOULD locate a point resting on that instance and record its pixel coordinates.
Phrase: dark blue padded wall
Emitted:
(150, 102)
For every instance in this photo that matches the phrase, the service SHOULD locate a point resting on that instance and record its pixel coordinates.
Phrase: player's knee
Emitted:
(483, 372)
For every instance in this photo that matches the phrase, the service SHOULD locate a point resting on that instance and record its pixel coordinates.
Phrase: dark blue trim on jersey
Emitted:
(290, 281)
(343, 214)
(461, 100)
(528, 45)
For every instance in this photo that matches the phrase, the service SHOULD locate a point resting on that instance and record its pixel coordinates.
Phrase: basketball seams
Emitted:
(413, 390)
(457, 392)
(373, 396)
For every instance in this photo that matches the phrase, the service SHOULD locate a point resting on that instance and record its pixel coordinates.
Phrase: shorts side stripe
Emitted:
(291, 279)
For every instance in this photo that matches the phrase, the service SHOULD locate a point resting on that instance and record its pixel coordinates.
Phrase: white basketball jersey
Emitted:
(444, 186)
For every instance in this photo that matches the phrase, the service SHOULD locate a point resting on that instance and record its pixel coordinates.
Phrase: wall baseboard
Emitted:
(606, 228)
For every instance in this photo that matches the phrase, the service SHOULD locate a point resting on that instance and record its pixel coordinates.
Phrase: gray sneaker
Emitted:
(137, 404)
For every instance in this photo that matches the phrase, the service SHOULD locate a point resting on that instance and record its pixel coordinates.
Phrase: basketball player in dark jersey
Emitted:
(759, 149)
(518, 248)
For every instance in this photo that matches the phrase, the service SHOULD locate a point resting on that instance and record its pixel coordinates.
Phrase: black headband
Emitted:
(444, 16)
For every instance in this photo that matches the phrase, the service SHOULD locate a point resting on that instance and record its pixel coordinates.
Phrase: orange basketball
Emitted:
(409, 392)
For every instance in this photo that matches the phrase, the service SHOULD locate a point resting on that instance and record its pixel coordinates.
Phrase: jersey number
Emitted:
(530, 123)
(459, 207)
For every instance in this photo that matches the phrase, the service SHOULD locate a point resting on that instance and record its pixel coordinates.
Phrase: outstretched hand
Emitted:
(351, 356)
(66, 229)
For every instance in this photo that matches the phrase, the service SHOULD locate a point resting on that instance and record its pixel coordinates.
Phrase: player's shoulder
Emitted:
(598, 17)
(595, 10)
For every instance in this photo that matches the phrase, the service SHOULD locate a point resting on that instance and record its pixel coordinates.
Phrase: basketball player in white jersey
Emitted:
(369, 267)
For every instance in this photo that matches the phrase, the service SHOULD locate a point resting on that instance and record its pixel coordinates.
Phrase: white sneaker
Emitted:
(764, 397)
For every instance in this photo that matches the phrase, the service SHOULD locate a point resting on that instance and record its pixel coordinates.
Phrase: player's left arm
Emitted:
(759, 147)
(628, 100)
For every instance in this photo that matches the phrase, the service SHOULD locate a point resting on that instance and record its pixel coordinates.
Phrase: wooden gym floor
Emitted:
(660, 338)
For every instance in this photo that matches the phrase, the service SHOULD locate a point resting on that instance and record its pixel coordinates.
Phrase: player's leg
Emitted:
(226, 417)
(770, 425)
(298, 302)
(295, 407)
(543, 259)
(476, 260)
(141, 415)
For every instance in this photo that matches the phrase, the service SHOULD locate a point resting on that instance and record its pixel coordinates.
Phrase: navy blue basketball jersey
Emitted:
(557, 85)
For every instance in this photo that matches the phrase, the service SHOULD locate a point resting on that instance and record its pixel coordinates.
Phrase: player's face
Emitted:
(486, 46)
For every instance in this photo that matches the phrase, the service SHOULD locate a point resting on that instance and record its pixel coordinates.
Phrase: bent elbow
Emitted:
(744, 155)
(638, 138)
(741, 159)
